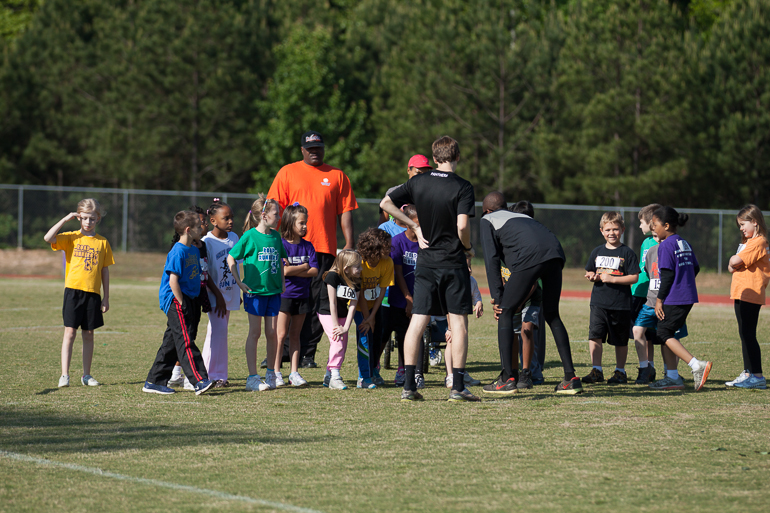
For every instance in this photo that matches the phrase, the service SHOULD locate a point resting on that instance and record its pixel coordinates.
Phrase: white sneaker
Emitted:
(296, 380)
(337, 384)
(270, 380)
(176, 381)
(253, 383)
(89, 380)
(64, 381)
(188, 386)
(469, 381)
(279, 382)
(740, 379)
(448, 381)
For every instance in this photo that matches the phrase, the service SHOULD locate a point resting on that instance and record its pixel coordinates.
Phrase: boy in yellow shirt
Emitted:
(88, 257)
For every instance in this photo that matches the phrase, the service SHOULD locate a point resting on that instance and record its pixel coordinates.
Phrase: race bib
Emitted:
(605, 262)
(372, 294)
(345, 292)
(655, 284)
(741, 247)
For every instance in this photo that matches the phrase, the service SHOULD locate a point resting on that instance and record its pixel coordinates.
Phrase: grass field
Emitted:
(114, 448)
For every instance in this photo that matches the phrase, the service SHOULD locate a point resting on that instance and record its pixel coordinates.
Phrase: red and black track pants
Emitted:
(178, 346)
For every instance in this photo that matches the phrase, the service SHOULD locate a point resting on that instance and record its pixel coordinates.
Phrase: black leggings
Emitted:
(748, 315)
(516, 291)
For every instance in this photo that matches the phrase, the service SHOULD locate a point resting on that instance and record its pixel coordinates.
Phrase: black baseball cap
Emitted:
(311, 139)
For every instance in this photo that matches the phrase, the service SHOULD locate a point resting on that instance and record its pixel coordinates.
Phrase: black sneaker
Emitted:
(525, 380)
(307, 363)
(501, 387)
(410, 396)
(645, 377)
(571, 387)
(263, 364)
(596, 376)
(461, 397)
(618, 378)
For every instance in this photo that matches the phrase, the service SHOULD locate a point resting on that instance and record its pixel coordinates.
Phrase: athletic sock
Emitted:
(336, 373)
(621, 369)
(569, 376)
(643, 364)
(458, 379)
(598, 367)
(693, 363)
(652, 364)
(673, 374)
(254, 375)
(177, 372)
(409, 383)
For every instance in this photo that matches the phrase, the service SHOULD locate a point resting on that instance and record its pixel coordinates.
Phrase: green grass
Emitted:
(623, 447)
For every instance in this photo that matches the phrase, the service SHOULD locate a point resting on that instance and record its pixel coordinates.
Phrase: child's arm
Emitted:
(351, 313)
(371, 319)
(478, 309)
(735, 264)
(106, 287)
(221, 308)
(176, 289)
(283, 277)
(50, 237)
(618, 280)
(364, 326)
(295, 270)
(398, 274)
(233, 265)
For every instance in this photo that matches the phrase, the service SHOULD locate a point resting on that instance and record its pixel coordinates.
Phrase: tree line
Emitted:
(611, 102)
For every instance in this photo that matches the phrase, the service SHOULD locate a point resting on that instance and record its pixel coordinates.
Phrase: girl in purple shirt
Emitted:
(677, 293)
(299, 268)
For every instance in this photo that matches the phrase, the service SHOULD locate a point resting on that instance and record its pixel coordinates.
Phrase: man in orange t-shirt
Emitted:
(326, 193)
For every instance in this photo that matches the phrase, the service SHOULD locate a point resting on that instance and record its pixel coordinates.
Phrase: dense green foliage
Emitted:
(582, 101)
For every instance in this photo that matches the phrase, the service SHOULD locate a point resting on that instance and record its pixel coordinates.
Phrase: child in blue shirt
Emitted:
(180, 283)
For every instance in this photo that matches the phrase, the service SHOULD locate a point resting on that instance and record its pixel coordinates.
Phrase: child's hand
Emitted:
(220, 309)
(245, 288)
(71, 216)
(367, 325)
(497, 310)
(409, 305)
(478, 309)
(659, 309)
(448, 336)
(590, 275)
(105, 305)
(338, 331)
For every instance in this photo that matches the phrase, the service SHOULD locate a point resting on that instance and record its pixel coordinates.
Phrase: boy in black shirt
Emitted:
(442, 286)
(613, 267)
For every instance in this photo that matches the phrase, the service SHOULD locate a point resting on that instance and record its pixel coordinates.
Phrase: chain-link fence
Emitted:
(141, 220)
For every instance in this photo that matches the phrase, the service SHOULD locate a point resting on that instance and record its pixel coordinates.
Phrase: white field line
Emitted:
(155, 482)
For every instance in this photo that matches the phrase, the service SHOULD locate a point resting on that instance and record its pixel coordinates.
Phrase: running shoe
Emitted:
(202, 386)
(400, 377)
(753, 382)
(595, 376)
(254, 383)
(653, 374)
(618, 378)
(500, 387)
(270, 380)
(668, 384)
(470, 381)
(377, 379)
(263, 364)
(89, 381)
(525, 380)
(365, 383)
(64, 381)
(221, 383)
(462, 397)
(571, 387)
(337, 384)
(448, 381)
(408, 396)
(296, 380)
(279, 382)
(327, 379)
(645, 377)
(419, 380)
(742, 377)
(188, 386)
(176, 380)
(151, 388)
(700, 374)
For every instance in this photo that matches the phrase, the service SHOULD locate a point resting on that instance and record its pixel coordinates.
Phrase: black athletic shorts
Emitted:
(442, 291)
(394, 320)
(609, 326)
(82, 310)
(675, 317)
(296, 305)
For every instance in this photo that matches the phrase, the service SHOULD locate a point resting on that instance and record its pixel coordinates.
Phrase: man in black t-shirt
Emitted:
(442, 286)
(530, 251)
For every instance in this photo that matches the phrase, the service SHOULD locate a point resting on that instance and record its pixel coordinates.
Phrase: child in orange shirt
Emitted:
(751, 270)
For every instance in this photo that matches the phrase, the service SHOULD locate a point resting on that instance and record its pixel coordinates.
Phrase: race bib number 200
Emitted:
(605, 262)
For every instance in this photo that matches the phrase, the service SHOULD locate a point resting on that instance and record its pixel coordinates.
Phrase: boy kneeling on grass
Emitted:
(179, 285)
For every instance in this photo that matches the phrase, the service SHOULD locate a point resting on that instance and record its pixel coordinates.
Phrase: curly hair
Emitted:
(373, 244)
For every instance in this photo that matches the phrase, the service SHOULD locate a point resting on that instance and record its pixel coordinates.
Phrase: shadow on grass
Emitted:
(54, 432)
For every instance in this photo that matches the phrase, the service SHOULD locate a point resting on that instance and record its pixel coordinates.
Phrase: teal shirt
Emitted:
(639, 288)
(262, 257)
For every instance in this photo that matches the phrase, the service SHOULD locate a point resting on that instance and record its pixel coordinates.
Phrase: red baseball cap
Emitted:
(419, 161)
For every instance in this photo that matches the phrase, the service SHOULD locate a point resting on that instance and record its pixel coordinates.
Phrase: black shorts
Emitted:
(675, 317)
(296, 305)
(609, 326)
(442, 291)
(82, 310)
(394, 319)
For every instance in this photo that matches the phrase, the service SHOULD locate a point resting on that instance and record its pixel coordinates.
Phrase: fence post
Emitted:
(719, 257)
(124, 241)
(20, 216)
